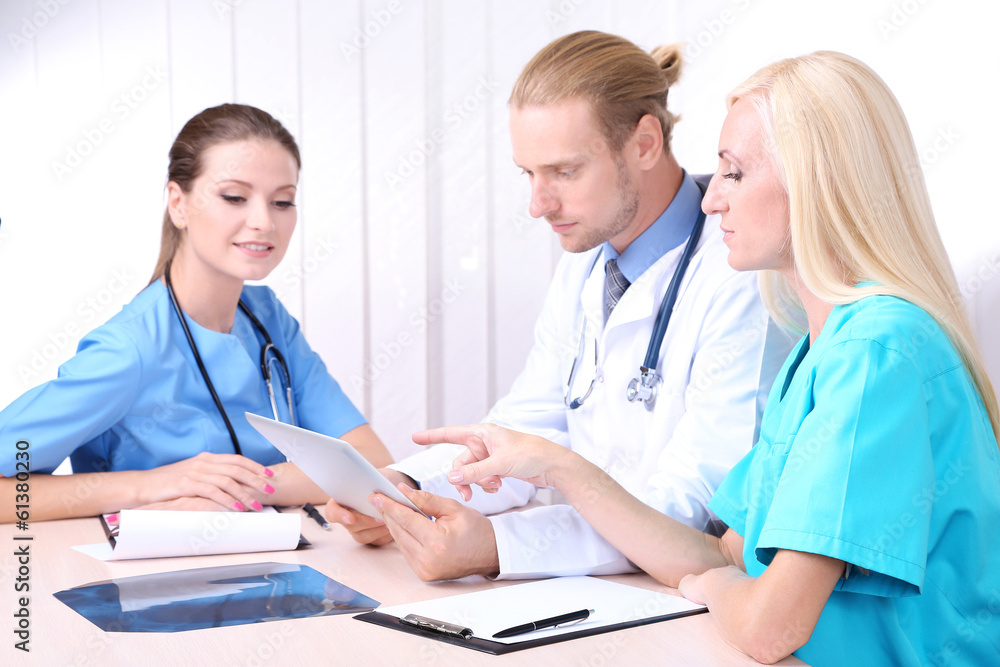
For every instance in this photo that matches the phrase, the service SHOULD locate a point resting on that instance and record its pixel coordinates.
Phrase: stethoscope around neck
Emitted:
(267, 351)
(644, 387)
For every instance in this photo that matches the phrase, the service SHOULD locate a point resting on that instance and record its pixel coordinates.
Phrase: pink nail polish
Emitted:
(257, 506)
(268, 489)
(268, 472)
(239, 506)
(112, 518)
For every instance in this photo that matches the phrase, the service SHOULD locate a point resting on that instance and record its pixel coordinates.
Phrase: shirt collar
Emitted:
(666, 233)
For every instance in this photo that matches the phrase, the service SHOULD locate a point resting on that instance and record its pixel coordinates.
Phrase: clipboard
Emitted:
(623, 607)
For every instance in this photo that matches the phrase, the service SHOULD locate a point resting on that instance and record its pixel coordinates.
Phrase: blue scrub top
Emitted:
(875, 449)
(132, 398)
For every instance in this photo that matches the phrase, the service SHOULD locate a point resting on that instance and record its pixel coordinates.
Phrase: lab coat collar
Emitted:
(642, 299)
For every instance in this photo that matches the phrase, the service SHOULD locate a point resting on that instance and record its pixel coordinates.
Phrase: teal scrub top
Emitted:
(875, 449)
(132, 398)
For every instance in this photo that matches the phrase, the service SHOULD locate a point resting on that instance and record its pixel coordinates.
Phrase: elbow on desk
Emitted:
(768, 642)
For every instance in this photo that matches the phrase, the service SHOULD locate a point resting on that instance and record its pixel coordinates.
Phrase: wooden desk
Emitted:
(60, 636)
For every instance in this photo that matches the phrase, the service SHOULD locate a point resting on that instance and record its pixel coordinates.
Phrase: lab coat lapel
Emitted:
(642, 298)
(592, 295)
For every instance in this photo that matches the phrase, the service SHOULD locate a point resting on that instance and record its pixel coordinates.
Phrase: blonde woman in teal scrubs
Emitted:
(863, 524)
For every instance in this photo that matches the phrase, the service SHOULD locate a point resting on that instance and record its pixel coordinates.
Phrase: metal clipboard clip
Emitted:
(442, 627)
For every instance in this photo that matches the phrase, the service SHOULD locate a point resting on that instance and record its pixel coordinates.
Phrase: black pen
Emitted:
(314, 513)
(555, 621)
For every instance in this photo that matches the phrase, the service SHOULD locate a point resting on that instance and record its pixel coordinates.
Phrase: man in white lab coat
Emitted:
(590, 128)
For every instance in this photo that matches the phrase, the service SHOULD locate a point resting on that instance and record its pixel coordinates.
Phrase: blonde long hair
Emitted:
(621, 82)
(858, 205)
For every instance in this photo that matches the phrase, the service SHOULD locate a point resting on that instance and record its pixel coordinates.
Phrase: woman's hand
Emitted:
(231, 481)
(495, 452)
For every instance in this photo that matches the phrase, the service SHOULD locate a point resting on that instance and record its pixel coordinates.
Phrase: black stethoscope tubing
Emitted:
(265, 370)
(667, 306)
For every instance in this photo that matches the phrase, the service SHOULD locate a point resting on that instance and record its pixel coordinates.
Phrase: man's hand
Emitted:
(363, 528)
(459, 543)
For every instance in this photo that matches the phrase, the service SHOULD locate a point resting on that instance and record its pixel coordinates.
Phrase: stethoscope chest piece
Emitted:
(644, 388)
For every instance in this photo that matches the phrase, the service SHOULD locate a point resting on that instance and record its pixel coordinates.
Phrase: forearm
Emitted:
(663, 547)
(293, 487)
(69, 496)
(364, 439)
(770, 616)
(732, 596)
(553, 541)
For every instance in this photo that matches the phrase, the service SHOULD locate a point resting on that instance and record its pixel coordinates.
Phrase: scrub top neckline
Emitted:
(831, 326)
(203, 330)
(800, 354)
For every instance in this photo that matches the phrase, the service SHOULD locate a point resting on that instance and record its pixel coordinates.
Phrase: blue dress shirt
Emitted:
(666, 233)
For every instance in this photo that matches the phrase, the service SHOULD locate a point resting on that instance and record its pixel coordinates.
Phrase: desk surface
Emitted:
(60, 636)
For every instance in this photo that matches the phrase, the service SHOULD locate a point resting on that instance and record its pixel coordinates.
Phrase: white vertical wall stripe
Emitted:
(397, 217)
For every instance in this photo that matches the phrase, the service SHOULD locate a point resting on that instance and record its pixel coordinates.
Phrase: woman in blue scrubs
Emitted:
(151, 408)
(863, 524)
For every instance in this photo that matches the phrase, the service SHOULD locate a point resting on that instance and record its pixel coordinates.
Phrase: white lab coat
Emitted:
(718, 360)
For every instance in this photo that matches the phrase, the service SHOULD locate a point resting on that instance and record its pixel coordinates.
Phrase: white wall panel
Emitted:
(201, 58)
(521, 260)
(397, 137)
(61, 214)
(22, 272)
(331, 195)
(135, 74)
(463, 89)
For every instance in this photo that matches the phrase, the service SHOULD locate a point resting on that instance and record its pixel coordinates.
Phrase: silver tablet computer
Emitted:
(333, 464)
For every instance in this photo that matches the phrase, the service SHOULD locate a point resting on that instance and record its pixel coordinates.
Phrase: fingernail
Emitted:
(376, 501)
(268, 472)
(347, 519)
(456, 476)
(491, 489)
(256, 505)
(112, 518)
(268, 488)
(239, 506)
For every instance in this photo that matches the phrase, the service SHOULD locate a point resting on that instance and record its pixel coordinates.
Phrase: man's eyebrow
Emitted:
(574, 161)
